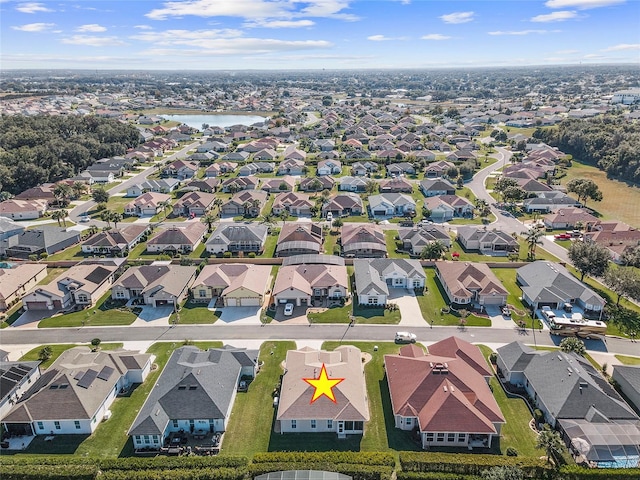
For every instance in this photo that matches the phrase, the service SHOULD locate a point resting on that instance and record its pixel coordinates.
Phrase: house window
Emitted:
(77, 424)
(430, 437)
(416, 284)
(175, 424)
(330, 424)
(293, 425)
(372, 300)
(202, 293)
(137, 438)
(40, 426)
(119, 294)
(57, 425)
(408, 421)
(462, 438)
(451, 437)
(313, 424)
(440, 437)
(82, 298)
(146, 439)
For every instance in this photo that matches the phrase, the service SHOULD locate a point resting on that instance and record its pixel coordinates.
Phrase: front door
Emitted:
(340, 427)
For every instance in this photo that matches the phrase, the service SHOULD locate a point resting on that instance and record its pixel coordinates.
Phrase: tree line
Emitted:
(608, 142)
(41, 148)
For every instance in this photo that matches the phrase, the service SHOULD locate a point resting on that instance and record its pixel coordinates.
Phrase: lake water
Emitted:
(215, 120)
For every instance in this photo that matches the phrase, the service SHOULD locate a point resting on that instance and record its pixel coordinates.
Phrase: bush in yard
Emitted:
(512, 452)
(493, 358)
(95, 343)
(226, 255)
(252, 255)
(573, 344)
(538, 416)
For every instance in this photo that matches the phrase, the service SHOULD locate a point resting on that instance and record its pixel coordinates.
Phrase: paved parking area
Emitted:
(30, 318)
(411, 315)
(153, 316)
(299, 316)
(238, 316)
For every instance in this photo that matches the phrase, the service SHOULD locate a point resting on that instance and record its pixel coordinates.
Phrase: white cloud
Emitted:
(622, 47)
(32, 7)
(435, 36)
(559, 16)
(91, 27)
(34, 27)
(522, 32)
(382, 38)
(581, 4)
(594, 55)
(457, 17)
(238, 46)
(92, 41)
(280, 24)
(143, 27)
(567, 52)
(186, 37)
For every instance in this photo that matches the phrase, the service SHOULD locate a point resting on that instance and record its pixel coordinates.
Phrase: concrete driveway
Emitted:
(238, 316)
(409, 307)
(30, 318)
(153, 316)
(299, 316)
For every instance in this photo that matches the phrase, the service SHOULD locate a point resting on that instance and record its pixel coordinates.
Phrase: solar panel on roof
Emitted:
(88, 378)
(13, 376)
(98, 275)
(105, 373)
(79, 375)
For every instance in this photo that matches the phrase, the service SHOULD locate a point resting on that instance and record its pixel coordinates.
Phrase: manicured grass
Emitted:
(250, 428)
(105, 312)
(56, 351)
(393, 245)
(72, 253)
(193, 313)
(626, 360)
(200, 251)
(140, 251)
(11, 315)
(330, 241)
(620, 200)
(110, 439)
(432, 301)
(270, 246)
(516, 432)
(508, 278)
(380, 434)
(52, 274)
(361, 314)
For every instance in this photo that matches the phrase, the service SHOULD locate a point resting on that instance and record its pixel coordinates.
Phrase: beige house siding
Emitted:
(9, 297)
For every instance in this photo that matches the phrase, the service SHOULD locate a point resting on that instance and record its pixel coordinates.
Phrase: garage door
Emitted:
(160, 303)
(36, 305)
(250, 302)
(497, 300)
(231, 302)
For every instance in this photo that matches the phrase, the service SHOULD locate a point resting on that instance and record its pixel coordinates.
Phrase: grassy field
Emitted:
(269, 246)
(626, 360)
(103, 313)
(393, 244)
(72, 253)
(56, 351)
(620, 200)
(193, 313)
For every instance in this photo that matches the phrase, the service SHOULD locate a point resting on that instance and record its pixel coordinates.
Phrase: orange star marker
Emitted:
(323, 385)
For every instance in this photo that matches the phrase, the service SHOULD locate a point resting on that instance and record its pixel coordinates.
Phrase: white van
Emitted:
(405, 337)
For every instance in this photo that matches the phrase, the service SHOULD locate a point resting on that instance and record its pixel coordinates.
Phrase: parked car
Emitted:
(405, 337)
(562, 236)
(288, 309)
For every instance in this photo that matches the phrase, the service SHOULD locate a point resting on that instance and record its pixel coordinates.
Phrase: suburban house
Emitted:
(398, 169)
(487, 242)
(361, 169)
(81, 285)
(628, 378)
(615, 237)
(247, 203)
(375, 277)
(232, 284)
(292, 152)
(236, 184)
(291, 166)
(194, 204)
(444, 394)
(9, 228)
(220, 168)
(445, 207)
(266, 154)
(74, 394)
(39, 192)
(549, 284)
(161, 185)
(155, 285)
(310, 284)
(194, 393)
(344, 416)
(343, 205)
(316, 184)
(39, 240)
(294, 203)
(278, 185)
(437, 169)
(416, 238)
(549, 202)
(592, 418)
(181, 169)
(147, 205)
(182, 239)
(468, 283)
(391, 204)
(208, 185)
(23, 209)
(329, 167)
(17, 281)
(569, 218)
(298, 238)
(237, 237)
(353, 184)
(16, 378)
(237, 156)
(115, 242)
(395, 185)
(363, 240)
(433, 187)
(255, 168)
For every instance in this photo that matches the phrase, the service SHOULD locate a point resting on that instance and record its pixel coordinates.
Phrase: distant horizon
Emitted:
(258, 35)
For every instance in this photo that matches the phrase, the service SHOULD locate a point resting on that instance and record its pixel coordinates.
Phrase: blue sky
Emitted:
(313, 34)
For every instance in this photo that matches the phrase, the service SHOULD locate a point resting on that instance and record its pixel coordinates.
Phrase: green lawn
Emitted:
(52, 274)
(626, 360)
(362, 315)
(270, 246)
(393, 244)
(72, 253)
(200, 251)
(250, 428)
(516, 432)
(508, 278)
(330, 241)
(105, 312)
(193, 313)
(56, 351)
(11, 315)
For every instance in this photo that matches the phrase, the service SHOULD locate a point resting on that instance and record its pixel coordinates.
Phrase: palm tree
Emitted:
(433, 250)
(337, 223)
(106, 216)
(371, 187)
(325, 195)
(549, 441)
(255, 203)
(164, 206)
(315, 185)
(115, 218)
(78, 189)
(283, 216)
(209, 218)
(533, 236)
(58, 215)
(62, 192)
(217, 203)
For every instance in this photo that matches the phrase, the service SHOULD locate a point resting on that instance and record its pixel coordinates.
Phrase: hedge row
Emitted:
(357, 458)
(357, 472)
(192, 473)
(167, 463)
(574, 472)
(470, 464)
(434, 476)
(49, 472)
